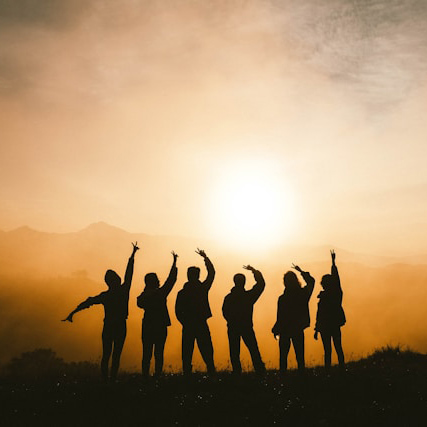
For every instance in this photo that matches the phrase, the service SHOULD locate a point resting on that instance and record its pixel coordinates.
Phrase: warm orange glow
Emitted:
(263, 132)
(251, 204)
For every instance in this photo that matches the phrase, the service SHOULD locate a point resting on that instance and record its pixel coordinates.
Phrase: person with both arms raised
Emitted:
(153, 300)
(238, 309)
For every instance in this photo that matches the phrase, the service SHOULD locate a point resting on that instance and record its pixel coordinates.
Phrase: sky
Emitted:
(256, 121)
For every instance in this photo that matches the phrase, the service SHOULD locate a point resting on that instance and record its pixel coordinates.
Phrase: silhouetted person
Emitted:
(156, 318)
(293, 317)
(330, 314)
(238, 309)
(192, 310)
(115, 302)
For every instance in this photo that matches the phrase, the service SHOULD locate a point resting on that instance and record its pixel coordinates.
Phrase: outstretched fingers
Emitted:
(201, 252)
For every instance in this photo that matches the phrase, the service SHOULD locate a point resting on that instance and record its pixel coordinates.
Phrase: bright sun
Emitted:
(252, 205)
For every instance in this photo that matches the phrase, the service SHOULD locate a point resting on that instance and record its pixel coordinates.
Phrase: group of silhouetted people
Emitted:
(192, 310)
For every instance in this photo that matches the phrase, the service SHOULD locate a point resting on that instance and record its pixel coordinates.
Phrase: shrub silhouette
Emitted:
(43, 363)
(35, 364)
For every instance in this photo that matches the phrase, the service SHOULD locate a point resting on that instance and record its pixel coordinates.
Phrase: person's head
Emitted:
(112, 279)
(193, 274)
(239, 280)
(151, 281)
(326, 281)
(291, 282)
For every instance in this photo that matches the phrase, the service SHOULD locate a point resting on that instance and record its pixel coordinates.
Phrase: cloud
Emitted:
(117, 103)
(52, 14)
(375, 50)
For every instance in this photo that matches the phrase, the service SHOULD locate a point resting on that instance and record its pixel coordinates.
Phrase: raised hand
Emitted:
(175, 255)
(249, 267)
(296, 267)
(135, 247)
(201, 252)
(333, 255)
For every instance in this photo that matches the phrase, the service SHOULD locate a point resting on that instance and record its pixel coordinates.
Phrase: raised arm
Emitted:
(82, 306)
(334, 271)
(309, 280)
(129, 268)
(259, 286)
(171, 280)
(209, 267)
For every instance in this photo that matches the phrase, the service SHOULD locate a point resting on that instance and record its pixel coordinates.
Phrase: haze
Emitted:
(43, 276)
(132, 113)
(264, 131)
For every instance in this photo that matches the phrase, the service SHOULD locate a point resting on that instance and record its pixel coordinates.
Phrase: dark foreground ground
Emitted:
(388, 388)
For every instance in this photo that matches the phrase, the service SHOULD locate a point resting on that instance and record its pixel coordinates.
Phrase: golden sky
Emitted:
(287, 121)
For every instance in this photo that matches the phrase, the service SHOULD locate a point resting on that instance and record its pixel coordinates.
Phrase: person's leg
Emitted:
(161, 335)
(234, 344)
(326, 340)
(119, 340)
(338, 345)
(204, 342)
(107, 347)
(147, 350)
(284, 346)
(188, 337)
(298, 342)
(249, 339)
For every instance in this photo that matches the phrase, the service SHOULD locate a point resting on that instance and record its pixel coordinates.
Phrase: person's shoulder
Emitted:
(228, 296)
(142, 296)
(182, 291)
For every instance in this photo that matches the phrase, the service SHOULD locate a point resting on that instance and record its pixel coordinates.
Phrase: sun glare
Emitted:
(252, 205)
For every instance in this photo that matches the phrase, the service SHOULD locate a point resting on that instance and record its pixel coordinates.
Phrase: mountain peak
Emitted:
(102, 227)
(24, 230)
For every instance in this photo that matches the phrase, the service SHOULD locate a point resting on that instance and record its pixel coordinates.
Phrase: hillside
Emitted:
(43, 276)
(388, 388)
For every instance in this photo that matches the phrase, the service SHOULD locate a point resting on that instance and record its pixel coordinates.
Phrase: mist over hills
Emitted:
(25, 250)
(45, 275)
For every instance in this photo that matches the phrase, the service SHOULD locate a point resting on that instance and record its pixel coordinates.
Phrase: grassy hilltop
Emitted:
(387, 388)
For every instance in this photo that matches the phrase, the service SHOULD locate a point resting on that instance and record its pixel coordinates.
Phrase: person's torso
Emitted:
(294, 311)
(116, 304)
(194, 302)
(239, 306)
(155, 308)
(329, 309)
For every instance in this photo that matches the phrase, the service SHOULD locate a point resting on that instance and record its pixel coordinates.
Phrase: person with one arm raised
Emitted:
(116, 308)
(330, 314)
(293, 317)
(238, 309)
(192, 310)
(153, 300)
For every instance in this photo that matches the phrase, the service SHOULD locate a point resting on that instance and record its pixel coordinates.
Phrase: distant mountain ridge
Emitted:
(44, 275)
(25, 249)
